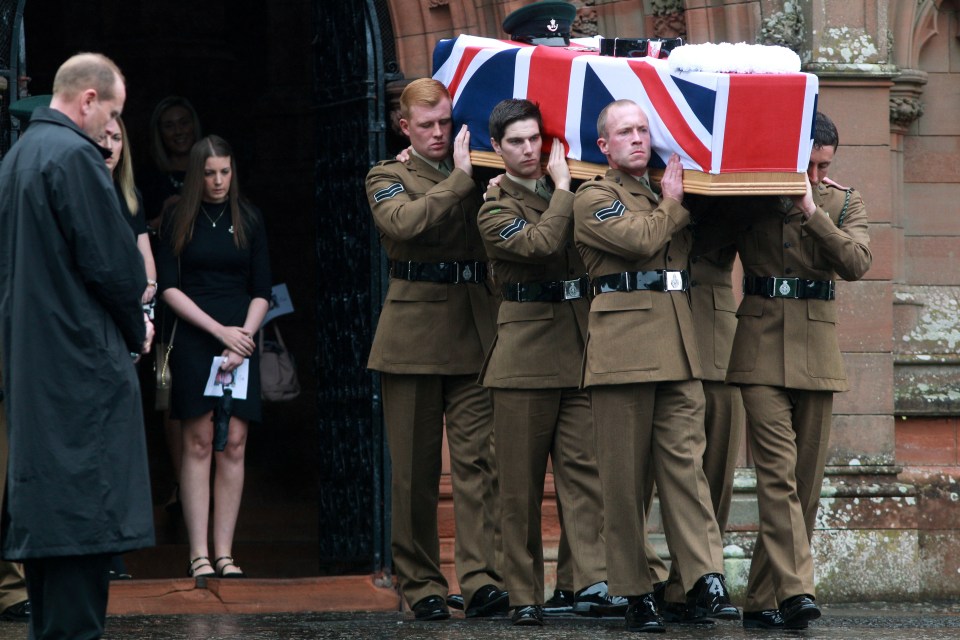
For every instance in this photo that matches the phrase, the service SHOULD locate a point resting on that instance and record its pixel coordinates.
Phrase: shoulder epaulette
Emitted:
(493, 193)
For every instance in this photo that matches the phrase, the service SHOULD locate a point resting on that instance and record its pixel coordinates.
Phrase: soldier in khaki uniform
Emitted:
(533, 367)
(435, 326)
(642, 367)
(715, 321)
(787, 362)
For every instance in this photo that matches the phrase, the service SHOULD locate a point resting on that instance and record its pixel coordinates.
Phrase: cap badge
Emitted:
(552, 26)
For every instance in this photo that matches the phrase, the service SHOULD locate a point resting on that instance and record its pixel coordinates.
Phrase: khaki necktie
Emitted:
(543, 190)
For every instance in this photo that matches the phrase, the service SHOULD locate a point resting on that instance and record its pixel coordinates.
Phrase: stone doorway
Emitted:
(276, 80)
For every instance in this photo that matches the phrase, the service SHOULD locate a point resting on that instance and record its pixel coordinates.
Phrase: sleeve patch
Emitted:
(615, 210)
(513, 228)
(388, 192)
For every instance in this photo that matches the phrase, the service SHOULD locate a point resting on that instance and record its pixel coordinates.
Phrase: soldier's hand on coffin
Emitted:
(404, 154)
(671, 185)
(461, 151)
(495, 181)
(557, 166)
(805, 202)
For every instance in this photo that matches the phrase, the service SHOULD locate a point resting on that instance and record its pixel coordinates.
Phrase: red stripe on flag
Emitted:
(548, 85)
(762, 109)
(670, 114)
(469, 53)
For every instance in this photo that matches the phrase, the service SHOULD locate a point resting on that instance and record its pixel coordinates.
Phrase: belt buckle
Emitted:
(672, 280)
(572, 290)
(786, 288)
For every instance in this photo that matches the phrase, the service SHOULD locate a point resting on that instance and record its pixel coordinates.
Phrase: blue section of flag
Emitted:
(441, 52)
(491, 83)
(700, 99)
(595, 98)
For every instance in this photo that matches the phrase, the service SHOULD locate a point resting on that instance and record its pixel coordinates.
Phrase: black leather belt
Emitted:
(796, 288)
(556, 291)
(470, 271)
(659, 280)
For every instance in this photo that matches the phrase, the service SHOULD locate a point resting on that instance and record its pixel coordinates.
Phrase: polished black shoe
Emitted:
(455, 601)
(798, 611)
(431, 608)
(768, 619)
(559, 604)
(680, 613)
(528, 616)
(660, 593)
(596, 601)
(488, 601)
(642, 615)
(709, 598)
(19, 612)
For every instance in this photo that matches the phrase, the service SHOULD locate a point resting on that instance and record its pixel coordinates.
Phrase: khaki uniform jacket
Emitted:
(539, 345)
(636, 336)
(714, 309)
(786, 342)
(425, 216)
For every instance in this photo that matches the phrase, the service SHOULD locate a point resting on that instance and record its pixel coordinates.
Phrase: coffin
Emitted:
(735, 133)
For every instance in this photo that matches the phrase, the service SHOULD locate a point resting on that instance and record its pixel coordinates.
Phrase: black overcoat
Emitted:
(70, 284)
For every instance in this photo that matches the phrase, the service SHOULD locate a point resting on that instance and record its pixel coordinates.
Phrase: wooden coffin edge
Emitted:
(724, 184)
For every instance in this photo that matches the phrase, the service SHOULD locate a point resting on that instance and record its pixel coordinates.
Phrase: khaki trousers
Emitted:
(414, 410)
(723, 427)
(530, 426)
(660, 425)
(789, 432)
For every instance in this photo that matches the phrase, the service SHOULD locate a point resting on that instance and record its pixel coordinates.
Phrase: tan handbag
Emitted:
(278, 371)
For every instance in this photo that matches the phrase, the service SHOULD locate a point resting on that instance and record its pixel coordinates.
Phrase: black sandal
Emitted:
(199, 563)
(227, 562)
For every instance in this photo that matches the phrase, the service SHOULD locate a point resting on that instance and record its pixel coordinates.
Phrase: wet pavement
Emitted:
(857, 621)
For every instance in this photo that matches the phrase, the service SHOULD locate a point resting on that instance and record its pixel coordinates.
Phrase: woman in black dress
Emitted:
(214, 272)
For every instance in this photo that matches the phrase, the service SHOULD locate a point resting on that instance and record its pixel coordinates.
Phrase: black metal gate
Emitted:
(351, 66)
(11, 67)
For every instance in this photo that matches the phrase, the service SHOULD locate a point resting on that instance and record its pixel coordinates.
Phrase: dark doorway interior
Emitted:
(246, 66)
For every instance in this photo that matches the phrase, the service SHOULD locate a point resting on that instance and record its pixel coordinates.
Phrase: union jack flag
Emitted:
(716, 122)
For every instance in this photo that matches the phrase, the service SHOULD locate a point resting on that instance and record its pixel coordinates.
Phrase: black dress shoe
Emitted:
(768, 619)
(680, 613)
(596, 601)
(798, 611)
(19, 612)
(559, 604)
(431, 608)
(455, 601)
(528, 616)
(642, 615)
(488, 601)
(709, 598)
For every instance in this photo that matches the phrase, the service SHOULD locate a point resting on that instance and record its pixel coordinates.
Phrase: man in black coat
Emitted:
(71, 327)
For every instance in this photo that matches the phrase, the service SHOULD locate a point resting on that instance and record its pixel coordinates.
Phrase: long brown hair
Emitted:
(188, 208)
(123, 172)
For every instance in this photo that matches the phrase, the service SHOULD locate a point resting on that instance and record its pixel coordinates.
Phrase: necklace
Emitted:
(213, 222)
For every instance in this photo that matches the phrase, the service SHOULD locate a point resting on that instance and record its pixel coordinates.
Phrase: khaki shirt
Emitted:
(538, 344)
(786, 342)
(637, 336)
(426, 216)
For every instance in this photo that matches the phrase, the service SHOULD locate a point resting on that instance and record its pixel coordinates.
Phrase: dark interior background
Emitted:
(247, 67)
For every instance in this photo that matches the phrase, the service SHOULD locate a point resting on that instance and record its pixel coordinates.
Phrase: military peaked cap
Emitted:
(546, 22)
